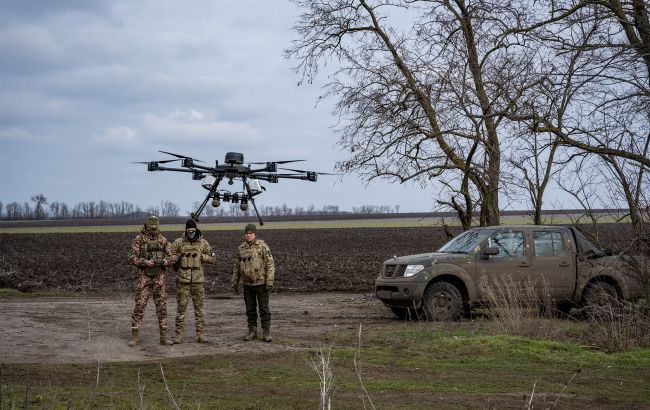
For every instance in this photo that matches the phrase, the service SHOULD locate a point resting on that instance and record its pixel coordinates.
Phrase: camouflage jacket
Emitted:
(253, 264)
(189, 258)
(146, 247)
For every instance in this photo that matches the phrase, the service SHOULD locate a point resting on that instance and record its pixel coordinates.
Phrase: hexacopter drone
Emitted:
(233, 169)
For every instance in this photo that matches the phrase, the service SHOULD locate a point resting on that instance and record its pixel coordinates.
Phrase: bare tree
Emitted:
(532, 161)
(39, 201)
(595, 60)
(168, 208)
(424, 102)
(13, 211)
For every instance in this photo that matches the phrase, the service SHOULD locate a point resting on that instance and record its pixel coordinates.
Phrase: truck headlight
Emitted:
(412, 270)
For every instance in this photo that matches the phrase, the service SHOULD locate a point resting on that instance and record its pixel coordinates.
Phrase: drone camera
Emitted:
(273, 179)
(216, 202)
(188, 162)
(197, 176)
(244, 204)
(152, 166)
(312, 176)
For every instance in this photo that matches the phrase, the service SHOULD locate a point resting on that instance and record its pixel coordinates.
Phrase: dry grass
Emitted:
(520, 309)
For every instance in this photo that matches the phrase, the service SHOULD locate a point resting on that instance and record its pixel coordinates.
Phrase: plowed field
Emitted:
(306, 259)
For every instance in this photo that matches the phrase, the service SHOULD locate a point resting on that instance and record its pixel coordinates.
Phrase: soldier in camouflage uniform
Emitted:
(191, 251)
(151, 253)
(254, 266)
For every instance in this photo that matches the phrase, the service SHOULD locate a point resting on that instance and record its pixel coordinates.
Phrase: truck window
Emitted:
(510, 244)
(466, 242)
(547, 243)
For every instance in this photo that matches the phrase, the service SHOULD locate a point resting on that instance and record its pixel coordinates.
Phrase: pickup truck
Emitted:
(444, 284)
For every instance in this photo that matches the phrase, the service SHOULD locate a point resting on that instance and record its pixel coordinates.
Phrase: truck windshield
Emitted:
(466, 242)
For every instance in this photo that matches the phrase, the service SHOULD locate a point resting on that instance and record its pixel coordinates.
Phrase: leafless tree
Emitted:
(39, 201)
(425, 102)
(532, 161)
(595, 61)
(168, 208)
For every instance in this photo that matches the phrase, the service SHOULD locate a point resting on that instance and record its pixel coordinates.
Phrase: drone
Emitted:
(233, 169)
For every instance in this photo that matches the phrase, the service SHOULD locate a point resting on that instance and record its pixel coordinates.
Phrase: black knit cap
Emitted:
(250, 228)
(190, 224)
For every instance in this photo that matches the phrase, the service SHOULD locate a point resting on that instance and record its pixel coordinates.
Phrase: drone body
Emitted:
(232, 169)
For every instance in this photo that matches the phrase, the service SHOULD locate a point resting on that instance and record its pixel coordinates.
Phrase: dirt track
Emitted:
(80, 330)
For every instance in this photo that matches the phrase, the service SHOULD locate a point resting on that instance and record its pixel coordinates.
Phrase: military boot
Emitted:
(200, 337)
(178, 339)
(163, 338)
(252, 334)
(266, 336)
(134, 338)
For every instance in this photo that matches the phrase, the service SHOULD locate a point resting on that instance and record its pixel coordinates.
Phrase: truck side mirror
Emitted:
(490, 251)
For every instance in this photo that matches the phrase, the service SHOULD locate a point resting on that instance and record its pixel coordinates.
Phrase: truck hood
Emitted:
(427, 258)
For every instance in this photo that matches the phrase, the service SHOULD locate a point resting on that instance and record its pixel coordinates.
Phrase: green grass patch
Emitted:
(400, 365)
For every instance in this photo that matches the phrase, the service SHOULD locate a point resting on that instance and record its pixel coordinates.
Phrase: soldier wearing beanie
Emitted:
(254, 267)
(151, 253)
(191, 252)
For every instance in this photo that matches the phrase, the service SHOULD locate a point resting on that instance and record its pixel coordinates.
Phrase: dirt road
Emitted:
(92, 329)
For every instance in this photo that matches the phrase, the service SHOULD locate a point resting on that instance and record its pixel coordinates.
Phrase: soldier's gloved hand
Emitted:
(269, 287)
(235, 289)
(151, 263)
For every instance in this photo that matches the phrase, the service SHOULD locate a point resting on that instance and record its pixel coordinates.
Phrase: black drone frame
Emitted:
(233, 168)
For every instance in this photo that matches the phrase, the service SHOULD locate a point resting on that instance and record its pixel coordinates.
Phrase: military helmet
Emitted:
(152, 223)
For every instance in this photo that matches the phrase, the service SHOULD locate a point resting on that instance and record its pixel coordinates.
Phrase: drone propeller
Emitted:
(160, 162)
(180, 156)
(302, 171)
(277, 162)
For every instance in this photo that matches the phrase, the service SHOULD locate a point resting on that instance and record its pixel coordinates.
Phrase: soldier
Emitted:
(254, 266)
(151, 253)
(191, 253)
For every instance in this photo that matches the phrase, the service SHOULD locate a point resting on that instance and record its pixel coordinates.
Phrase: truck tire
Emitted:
(442, 301)
(600, 295)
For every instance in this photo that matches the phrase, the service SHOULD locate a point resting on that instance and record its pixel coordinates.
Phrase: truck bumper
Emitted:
(396, 293)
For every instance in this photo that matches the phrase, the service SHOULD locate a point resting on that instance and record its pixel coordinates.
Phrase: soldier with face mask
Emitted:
(151, 253)
(191, 252)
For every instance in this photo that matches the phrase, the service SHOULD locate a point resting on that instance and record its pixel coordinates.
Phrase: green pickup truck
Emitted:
(445, 284)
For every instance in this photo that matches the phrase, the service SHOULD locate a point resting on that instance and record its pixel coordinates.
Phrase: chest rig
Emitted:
(153, 251)
(191, 255)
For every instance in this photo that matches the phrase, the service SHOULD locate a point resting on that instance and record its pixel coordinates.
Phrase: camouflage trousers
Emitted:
(254, 296)
(146, 286)
(183, 292)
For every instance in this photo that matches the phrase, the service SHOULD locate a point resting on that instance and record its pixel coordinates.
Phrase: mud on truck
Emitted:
(445, 284)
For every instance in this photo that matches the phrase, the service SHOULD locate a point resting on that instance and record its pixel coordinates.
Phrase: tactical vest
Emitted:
(191, 255)
(153, 251)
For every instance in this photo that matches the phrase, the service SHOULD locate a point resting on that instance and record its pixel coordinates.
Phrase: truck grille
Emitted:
(394, 271)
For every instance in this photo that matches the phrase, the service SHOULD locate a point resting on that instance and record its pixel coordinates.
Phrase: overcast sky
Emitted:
(87, 87)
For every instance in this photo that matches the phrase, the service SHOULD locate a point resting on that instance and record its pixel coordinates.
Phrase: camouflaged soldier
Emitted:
(191, 252)
(254, 266)
(151, 253)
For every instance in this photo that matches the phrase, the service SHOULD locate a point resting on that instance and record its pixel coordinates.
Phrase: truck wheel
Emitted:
(600, 295)
(404, 313)
(442, 301)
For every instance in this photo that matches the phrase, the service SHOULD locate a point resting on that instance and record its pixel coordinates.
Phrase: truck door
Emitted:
(512, 262)
(553, 262)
